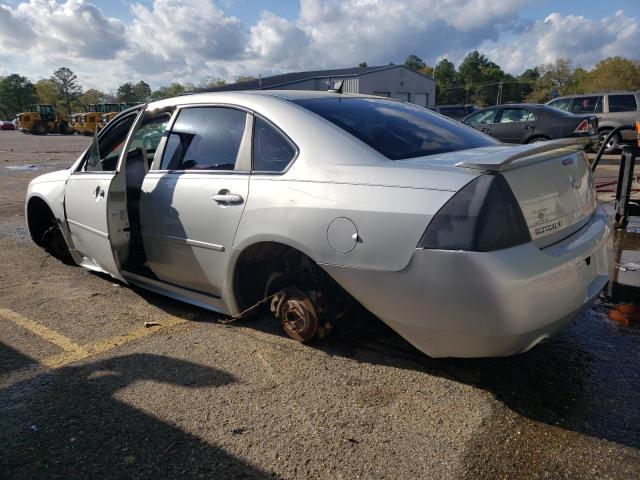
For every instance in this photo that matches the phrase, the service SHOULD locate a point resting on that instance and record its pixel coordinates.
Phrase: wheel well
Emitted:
(39, 219)
(265, 267)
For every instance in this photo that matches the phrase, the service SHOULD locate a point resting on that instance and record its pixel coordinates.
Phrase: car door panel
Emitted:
(187, 234)
(86, 210)
(511, 129)
(189, 211)
(95, 201)
(483, 120)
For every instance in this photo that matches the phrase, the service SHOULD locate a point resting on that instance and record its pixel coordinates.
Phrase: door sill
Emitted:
(200, 299)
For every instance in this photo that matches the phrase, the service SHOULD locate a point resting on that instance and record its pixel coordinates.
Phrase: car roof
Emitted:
(591, 94)
(511, 105)
(237, 95)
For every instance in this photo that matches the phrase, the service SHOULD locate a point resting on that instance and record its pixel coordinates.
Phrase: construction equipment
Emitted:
(109, 113)
(88, 121)
(41, 120)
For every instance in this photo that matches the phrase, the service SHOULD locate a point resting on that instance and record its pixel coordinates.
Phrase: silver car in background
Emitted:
(465, 246)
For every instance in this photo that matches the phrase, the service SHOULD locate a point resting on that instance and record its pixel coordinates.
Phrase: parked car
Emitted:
(613, 109)
(457, 112)
(307, 201)
(6, 125)
(531, 123)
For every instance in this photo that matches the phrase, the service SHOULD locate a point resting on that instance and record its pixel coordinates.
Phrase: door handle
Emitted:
(227, 198)
(484, 129)
(99, 193)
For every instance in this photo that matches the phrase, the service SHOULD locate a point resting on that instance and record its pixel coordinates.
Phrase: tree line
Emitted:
(64, 92)
(475, 80)
(480, 81)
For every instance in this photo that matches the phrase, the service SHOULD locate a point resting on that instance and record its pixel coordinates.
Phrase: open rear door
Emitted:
(95, 198)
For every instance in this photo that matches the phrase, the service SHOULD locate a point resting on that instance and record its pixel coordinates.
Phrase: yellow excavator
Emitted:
(41, 119)
(109, 113)
(88, 121)
(114, 109)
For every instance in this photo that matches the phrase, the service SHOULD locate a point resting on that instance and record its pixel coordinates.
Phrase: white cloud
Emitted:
(276, 40)
(573, 37)
(191, 40)
(53, 31)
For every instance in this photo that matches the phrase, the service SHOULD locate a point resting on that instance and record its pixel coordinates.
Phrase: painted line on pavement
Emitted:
(46, 333)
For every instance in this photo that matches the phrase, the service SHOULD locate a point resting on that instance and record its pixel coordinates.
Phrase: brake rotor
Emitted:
(296, 313)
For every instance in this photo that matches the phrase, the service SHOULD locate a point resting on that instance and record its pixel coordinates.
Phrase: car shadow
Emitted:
(71, 424)
(11, 359)
(585, 379)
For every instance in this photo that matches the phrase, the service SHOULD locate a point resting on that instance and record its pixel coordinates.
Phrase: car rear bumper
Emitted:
(486, 304)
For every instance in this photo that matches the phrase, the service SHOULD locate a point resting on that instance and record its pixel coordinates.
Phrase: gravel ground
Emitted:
(192, 398)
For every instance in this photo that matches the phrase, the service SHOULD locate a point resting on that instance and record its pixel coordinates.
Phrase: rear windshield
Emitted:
(556, 111)
(395, 129)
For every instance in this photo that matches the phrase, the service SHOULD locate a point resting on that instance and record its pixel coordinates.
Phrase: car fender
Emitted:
(50, 188)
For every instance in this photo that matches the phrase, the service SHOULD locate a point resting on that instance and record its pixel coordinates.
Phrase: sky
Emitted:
(109, 42)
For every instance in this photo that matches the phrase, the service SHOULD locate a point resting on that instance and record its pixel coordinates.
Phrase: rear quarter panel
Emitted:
(389, 220)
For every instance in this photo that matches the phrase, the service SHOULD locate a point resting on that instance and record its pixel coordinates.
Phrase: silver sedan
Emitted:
(310, 201)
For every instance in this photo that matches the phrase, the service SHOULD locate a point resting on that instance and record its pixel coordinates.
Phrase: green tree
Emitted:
(481, 78)
(243, 78)
(614, 73)
(48, 92)
(555, 78)
(414, 62)
(126, 93)
(362, 65)
(580, 77)
(92, 96)
(470, 73)
(214, 82)
(68, 85)
(172, 90)
(446, 79)
(16, 93)
(141, 91)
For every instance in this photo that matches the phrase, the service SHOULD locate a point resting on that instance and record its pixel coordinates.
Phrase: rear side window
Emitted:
(204, 138)
(482, 118)
(622, 103)
(587, 105)
(271, 151)
(396, 130)
(510, 115)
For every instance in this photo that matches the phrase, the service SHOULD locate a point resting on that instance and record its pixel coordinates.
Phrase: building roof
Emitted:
(294, 77)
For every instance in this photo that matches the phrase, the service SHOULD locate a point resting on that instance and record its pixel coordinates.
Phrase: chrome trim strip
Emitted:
(88, 229)
(187, 241)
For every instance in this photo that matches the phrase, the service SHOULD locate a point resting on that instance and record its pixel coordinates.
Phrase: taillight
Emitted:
(583, 127)
(482, 217)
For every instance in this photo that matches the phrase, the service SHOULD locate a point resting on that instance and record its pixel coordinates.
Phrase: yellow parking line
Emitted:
(79, 352)
(100, 346)
(43, 332)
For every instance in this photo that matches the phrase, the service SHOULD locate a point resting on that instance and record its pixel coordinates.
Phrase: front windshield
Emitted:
(395, 129)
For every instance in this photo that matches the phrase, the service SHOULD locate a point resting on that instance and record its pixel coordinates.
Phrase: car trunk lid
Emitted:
(552, 183)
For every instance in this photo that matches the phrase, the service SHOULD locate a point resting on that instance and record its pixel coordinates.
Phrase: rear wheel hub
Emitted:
(296, 313)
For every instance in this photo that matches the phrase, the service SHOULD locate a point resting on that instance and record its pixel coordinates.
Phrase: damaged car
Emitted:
(305, 201)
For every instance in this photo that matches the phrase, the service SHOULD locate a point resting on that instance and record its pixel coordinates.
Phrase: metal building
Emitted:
(395, 81)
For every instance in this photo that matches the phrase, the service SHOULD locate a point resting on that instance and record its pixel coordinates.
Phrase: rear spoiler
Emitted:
(523, 155)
